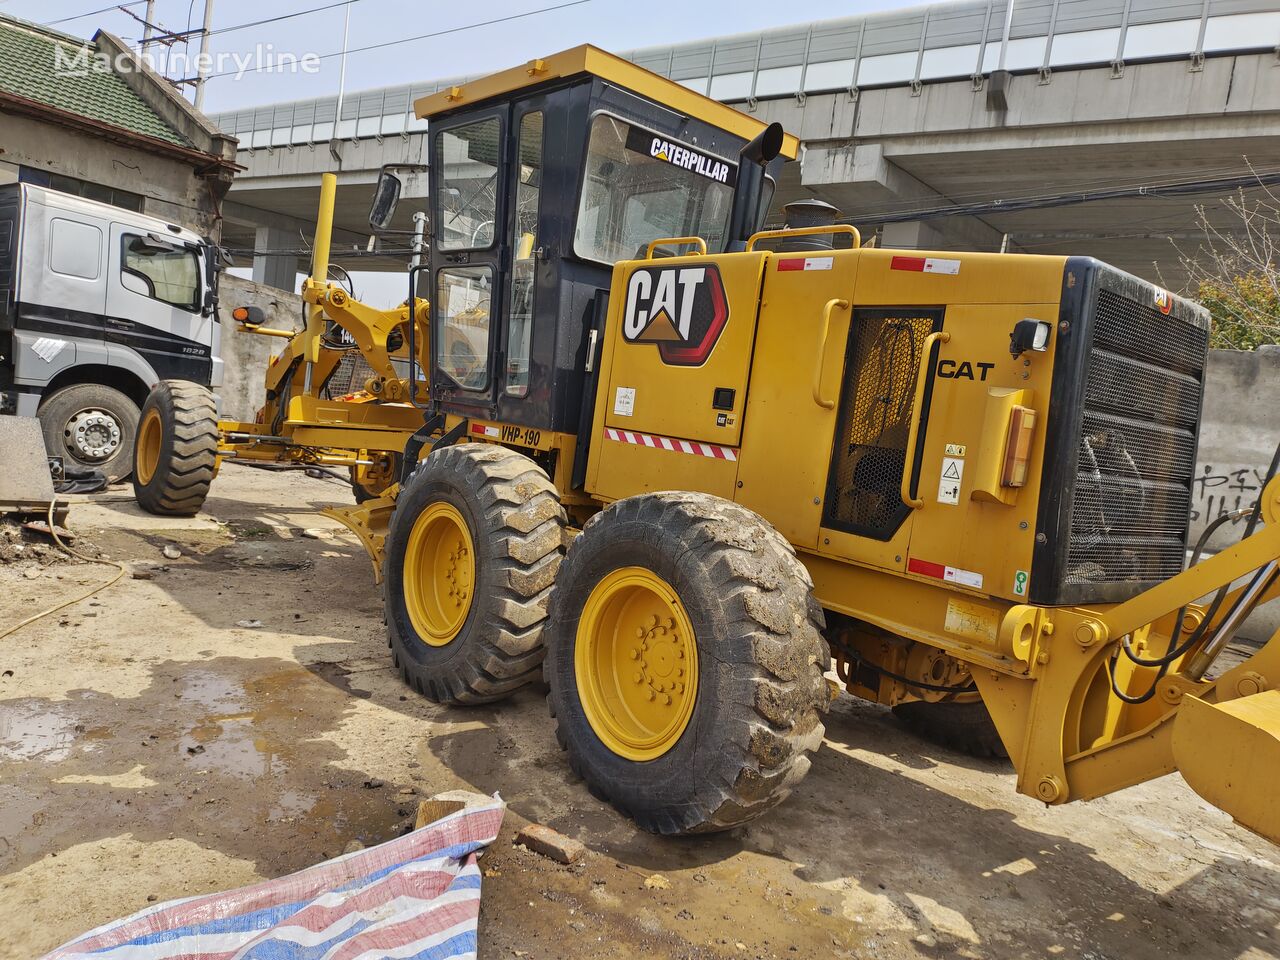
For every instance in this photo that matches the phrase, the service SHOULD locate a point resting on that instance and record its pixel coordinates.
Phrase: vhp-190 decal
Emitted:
(682, 310)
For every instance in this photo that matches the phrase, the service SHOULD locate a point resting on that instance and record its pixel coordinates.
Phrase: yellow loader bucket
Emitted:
(1230, 752)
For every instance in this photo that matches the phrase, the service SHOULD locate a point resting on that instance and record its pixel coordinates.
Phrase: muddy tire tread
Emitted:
(772, 727)
(188, 454)
(521, 509)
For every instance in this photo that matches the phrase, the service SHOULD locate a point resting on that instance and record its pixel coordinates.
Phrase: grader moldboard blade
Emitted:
(1223, 751)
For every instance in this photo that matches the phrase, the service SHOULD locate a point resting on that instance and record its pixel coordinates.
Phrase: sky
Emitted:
(617, 25)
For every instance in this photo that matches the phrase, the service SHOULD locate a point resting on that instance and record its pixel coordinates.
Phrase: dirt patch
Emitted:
(150, 747)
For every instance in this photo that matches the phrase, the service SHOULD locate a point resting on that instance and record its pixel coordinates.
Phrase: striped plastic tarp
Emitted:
(414, 898)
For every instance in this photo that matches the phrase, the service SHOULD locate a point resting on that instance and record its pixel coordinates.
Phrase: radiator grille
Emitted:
(1137, 445)
(865, 495)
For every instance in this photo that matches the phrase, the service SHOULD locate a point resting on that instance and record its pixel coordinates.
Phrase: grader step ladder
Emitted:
(676, 465)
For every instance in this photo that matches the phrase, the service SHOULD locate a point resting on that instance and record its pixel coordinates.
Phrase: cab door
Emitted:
(154, 303)
(528, 328)
(469, 255)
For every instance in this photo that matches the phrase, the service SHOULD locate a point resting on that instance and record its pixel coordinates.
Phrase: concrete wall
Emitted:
(1238, 436)
(246, 355)
(170, 186)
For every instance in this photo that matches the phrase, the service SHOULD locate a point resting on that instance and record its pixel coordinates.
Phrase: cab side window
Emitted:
(171, 276)
(528, 172)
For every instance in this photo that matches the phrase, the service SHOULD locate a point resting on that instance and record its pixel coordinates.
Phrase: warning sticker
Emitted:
(952, 475)
(1020, 583)
(624, 402)
(955, 450)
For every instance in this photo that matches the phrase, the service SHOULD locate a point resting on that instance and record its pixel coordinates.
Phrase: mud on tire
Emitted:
(761, 659)
(516, 527)
(966, 727)
(175, 454)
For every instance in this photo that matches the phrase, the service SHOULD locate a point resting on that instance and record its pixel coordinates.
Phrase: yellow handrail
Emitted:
(913, 434)
(806, 232)
(823, 333)
(675, 242)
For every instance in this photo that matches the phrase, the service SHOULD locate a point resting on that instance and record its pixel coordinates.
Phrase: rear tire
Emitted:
(963, 727)
(92, 426)
(175, 456)
(474, 545)
(731, 733)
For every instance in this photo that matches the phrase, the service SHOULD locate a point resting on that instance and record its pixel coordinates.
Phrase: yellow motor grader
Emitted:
(676, 464)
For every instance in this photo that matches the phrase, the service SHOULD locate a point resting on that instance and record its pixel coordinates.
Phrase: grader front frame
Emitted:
(805, 398)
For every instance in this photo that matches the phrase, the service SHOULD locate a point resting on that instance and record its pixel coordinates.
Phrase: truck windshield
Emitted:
(640, 187)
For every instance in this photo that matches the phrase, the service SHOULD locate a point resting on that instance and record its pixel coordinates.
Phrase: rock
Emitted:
(314, 534)
(355, 846)
(249, 624)
(550, 843)
(926, 940)
(141, 573)
(152, 898)
(657, 882)
(373, 784)
(171, 552)
(31, 573)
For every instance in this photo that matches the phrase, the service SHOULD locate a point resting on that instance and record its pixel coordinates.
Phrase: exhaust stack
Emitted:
(753, 159)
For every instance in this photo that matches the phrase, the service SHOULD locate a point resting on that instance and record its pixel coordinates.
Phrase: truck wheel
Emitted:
(92, 426)
(685, 662)
(966, 727)
(473, 547)
(176, 454)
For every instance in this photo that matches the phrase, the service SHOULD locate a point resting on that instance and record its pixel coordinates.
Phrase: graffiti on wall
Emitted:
(1218, 491)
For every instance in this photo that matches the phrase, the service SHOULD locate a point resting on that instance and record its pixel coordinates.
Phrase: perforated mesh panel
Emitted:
(350, 374)
(1137, 446)
(864, 494)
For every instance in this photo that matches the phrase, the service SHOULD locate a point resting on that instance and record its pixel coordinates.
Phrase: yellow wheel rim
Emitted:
(150, 434)
(439, 574)
(636, 664)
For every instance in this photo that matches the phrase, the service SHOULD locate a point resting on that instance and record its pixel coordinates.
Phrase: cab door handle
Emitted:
(913, 434)
(824, 331)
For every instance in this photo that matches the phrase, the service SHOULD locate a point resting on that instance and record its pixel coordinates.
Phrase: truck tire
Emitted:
(91, 426)
(175, 456)
(685, 662)
(965, 727)
(474, 545)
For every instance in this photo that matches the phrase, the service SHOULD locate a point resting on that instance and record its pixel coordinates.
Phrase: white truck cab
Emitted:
(97, 304)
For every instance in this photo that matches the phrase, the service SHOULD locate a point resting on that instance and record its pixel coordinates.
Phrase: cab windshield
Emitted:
(640, 187)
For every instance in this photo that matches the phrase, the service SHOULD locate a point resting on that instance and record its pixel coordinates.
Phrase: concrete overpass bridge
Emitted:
(1057, 126)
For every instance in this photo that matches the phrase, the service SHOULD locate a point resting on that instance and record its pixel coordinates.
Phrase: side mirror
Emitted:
(385, 199)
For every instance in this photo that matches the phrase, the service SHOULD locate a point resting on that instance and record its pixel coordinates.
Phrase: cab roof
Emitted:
(623, 73)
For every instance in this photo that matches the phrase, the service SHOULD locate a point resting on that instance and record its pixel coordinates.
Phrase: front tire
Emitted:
(474, 545)
(176, 453)
(664, 580)
(91, 425)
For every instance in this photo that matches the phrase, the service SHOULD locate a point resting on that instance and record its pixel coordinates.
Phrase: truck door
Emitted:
(468, 258)
(155, 295)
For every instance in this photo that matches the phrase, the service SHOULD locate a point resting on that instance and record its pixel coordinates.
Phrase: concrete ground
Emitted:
(151, 748)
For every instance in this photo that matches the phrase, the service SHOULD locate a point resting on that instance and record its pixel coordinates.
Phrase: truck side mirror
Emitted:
(385, 199)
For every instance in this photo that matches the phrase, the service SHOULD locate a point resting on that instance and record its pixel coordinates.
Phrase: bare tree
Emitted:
(1235, 272)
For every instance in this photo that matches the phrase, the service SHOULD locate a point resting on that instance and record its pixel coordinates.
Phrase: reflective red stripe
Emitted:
(926, 569)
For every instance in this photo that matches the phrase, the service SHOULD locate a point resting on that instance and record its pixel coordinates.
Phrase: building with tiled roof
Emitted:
(91, 118)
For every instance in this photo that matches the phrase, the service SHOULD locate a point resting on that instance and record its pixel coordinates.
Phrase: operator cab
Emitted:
(541, 179)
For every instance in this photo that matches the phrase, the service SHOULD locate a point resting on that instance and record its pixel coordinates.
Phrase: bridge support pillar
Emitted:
(279, 270)
(912, 235)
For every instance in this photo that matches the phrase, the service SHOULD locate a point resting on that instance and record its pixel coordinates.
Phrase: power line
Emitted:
(182, 35)
(1160, 191)
(94, 13)
(424, 36)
